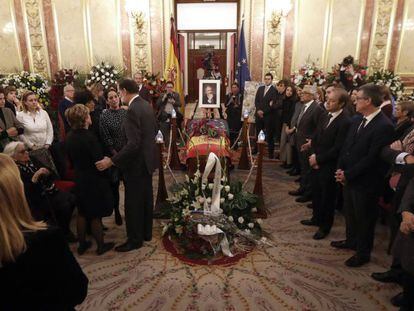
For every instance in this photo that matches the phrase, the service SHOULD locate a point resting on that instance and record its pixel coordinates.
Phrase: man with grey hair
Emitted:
(65, 103)
(143, 91)
(305, 127)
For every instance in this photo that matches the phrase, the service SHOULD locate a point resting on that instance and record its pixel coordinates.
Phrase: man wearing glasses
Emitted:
(362, 171)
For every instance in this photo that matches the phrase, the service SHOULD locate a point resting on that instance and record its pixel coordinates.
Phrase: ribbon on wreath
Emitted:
(214, 207)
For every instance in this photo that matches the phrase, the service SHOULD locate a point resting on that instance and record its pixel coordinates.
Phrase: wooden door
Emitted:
(195, 66)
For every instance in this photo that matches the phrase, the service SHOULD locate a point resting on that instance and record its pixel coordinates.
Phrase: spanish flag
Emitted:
(172, 66)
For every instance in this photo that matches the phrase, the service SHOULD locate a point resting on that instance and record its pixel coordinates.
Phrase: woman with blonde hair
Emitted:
(38, 130)
(37, 269)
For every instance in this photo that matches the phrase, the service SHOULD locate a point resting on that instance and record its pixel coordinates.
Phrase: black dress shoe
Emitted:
(294, 173)
(303, 199)
(83, 247)
(342, 244)
(296, 192)
(105, 248)
(398, 300)
(128, 246)
(320, 234)
(389, 276)
(357, 261)
(309, 222)
(118, 219)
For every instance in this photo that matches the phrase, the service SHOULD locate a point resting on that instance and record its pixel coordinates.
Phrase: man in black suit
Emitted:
(362, 172)
(142, 90)
(137, 162)
(263, 102)
(65, 103)
(306, 124)
(326, 145)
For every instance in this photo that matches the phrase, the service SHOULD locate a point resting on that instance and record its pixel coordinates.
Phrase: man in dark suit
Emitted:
(142, 90)
(362, 172)
(326, 145)
(263, 102)
(165, 104)
(137, 163)
(404, 247)
(306, 125)
(65, 103)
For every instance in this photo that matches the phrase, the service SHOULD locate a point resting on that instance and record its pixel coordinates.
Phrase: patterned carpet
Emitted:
(297, 274)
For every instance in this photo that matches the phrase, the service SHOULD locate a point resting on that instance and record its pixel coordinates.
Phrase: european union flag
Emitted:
(242, 68)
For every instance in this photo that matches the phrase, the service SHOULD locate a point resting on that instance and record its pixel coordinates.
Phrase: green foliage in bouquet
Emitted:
(389, 79)
(185, 209)
(25, 81)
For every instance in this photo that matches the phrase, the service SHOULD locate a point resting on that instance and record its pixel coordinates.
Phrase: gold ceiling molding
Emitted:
(38, 54)
(382, 35)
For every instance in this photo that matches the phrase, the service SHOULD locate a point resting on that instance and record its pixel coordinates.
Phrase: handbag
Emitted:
(43, 156)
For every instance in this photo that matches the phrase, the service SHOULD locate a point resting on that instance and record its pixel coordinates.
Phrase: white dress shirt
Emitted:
(38, 130)
(334, 116)
(132, 99)
(371, 116)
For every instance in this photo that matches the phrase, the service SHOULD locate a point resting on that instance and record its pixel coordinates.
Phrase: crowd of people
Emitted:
(351, 151)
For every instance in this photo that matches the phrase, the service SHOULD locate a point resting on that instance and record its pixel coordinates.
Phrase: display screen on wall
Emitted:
(206, 16)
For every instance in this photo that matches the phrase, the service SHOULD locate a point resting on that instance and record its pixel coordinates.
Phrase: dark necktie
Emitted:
(328, 120)
(362, 125)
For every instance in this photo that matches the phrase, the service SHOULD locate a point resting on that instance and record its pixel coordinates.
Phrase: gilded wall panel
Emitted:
(141, 42)
(382, 34)
(105, 35)
(310, 33)
(405, 61)
(10, 59)
(38, 54)
(71, 33)
(345, 31)
(272, 43)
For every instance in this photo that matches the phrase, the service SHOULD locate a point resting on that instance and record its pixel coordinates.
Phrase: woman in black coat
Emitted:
(37, 268)
(93, 191)
(46, 202)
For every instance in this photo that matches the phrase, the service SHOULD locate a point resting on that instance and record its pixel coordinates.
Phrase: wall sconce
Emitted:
(279, 9)
(134, 10)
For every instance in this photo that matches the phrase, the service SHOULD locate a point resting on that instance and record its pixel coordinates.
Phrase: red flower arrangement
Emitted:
(60, 79)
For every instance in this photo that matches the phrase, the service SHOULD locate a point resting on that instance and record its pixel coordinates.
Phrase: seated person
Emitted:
(45, 201)
(37, 268)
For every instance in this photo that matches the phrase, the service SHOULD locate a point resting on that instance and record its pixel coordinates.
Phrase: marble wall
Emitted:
(45, 35)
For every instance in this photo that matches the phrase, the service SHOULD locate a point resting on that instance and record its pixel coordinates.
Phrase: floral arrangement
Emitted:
(390, 80)
(408, 96)
(236, 221)
(309, 73)
(349, 72)
(59, 81)
(25, 81)
(154, 83)
(104, 74)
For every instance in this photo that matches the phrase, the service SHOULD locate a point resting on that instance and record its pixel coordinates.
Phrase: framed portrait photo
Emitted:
(209, 94)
